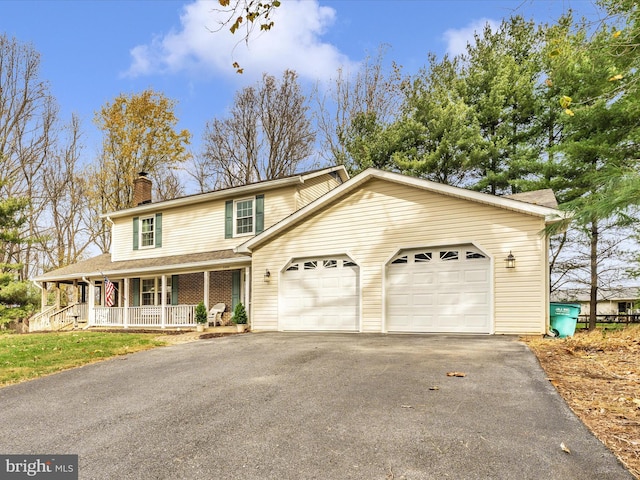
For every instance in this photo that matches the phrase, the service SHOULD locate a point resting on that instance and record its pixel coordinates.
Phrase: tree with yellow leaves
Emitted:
(139, 134)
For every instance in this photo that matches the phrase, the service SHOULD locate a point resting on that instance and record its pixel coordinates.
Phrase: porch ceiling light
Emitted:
(510, 260)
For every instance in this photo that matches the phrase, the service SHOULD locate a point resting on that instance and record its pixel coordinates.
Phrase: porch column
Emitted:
(92, 303)
(247, 291)
(58, 295)
(75, 311)
(43, 296)
(206, 290)
(163, 302)
(125, 303)
(76, 295)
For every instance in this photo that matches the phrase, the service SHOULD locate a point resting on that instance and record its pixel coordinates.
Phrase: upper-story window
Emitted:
(244, 216)
(244, 219)
(147, 232)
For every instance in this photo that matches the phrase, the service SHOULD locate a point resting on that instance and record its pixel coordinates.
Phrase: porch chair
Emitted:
(216, 313)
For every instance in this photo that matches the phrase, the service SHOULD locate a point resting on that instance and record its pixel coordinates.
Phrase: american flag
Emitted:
(109, 292)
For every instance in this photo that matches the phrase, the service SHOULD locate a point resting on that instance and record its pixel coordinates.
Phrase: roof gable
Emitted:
(550, 215)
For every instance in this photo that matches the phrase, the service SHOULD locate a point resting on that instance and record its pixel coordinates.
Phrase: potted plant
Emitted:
(201, 317)
(240, 317)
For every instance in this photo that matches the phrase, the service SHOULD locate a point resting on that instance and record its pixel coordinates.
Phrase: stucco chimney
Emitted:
(141, 189)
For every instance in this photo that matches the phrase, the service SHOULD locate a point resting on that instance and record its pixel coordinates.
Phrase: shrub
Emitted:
(239, 314)
(201, 313)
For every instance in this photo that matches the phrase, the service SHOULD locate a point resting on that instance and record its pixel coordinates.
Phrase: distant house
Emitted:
(379, 252)
(611, 301)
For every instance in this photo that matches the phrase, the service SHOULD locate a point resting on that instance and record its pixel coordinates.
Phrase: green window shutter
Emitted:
(259, 213)
(228, 219)
(135, 291)
(158, 232)
(174, 289)
(235, 289)
(136, 232)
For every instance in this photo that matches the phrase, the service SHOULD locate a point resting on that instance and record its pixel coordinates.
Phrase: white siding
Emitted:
(197, 228)
(314, 188)
(380, 218)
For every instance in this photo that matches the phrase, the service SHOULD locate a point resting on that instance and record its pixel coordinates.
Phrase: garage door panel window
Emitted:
(423, 257)
(400, 260)
(449, 255)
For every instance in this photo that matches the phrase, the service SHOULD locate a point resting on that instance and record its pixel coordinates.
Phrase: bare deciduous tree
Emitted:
(27, 131)
(67, 237)
(267, 136)
(370, 90)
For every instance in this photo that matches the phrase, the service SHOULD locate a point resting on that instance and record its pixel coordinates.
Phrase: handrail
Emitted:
(41, 320)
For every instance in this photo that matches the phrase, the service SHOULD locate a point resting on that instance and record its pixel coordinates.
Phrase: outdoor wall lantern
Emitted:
(510, 260)
(267, 275)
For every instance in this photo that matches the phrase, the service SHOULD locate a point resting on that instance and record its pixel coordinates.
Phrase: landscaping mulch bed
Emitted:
(598, 374)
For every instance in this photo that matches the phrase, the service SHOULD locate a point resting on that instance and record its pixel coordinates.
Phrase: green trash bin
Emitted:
(564, 317)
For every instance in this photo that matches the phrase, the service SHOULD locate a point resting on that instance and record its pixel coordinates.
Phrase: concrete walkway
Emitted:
(309, 406)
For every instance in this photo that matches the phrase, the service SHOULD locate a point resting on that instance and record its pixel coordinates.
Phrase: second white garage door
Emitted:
(439, 290)
(319, 294)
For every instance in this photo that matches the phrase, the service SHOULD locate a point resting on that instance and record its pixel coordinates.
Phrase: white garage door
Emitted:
(439, 290)
(319, 294)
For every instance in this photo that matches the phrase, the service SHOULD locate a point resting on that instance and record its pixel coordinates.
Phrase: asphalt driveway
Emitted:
(309, 406)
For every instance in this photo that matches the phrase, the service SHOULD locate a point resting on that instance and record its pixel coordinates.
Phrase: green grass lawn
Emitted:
(27, 356)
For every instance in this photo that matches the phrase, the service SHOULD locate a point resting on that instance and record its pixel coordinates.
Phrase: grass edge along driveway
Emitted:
(28, 356)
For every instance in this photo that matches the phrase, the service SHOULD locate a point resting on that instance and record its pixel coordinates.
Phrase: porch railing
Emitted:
(54, 318)
(146, 316)
(41, 320)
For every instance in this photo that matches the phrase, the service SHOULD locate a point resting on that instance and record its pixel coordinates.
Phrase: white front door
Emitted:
(443, 289)
(319, 294)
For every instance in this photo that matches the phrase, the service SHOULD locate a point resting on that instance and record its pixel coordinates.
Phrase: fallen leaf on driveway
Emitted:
(435, 387)
(456, 374)
(406, 406)
(564, 448)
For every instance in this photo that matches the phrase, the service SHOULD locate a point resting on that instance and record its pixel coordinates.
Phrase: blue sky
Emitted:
(91, 51)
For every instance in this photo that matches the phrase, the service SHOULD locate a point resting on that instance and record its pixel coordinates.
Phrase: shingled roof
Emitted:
(101, 265)
(544, 198)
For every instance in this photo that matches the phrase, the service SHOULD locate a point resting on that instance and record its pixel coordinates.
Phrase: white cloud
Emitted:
(457, 39)
(295, 42)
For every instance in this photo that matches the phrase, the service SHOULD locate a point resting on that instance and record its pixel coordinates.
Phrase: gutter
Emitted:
(205, 197)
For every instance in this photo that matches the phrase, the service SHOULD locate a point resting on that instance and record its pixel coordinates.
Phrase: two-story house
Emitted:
(379, 252)
(168, 256)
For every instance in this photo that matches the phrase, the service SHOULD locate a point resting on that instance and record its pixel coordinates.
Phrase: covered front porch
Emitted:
(148, 295)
